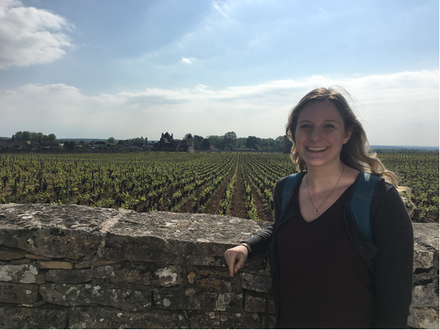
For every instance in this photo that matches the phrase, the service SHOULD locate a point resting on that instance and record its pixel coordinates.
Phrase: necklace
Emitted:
(315, 209)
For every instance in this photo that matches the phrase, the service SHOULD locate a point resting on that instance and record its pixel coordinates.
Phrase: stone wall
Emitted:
(68, 266)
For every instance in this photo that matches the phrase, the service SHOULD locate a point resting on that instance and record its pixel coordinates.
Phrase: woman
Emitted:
(325, 272)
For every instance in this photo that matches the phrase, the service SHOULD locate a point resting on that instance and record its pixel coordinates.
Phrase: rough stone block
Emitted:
(224, 320)
(10, 253)
(256, 282)
(231, 320)
(205, 260)
(256, 302)
(69, 276)
(95, 263)
(131, 298)
(55, 231)
(20, 261)
(423, 318)
(32, 318)
(257, 263)
(425, 296)
(196, 299)
(129, 248)
(15, 293)
(426, 242)
(20, 274)
(109, 318)
(140, 273)
(54, 264)
(218, 280)
(35, 257)
(205, 320)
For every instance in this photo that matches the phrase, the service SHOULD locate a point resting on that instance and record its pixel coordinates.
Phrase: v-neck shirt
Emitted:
(324, 282)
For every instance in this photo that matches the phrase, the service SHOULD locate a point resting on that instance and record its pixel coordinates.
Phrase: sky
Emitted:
(126, 69)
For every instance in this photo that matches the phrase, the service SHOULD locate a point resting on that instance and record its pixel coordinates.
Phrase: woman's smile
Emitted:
(315, 149)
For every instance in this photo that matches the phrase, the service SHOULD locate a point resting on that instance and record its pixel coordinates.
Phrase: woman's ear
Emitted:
(347, 135)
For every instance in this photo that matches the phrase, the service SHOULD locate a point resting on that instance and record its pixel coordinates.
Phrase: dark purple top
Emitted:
(324, 282)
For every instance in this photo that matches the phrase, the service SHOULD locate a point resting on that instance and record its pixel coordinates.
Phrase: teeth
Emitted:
(316, 149)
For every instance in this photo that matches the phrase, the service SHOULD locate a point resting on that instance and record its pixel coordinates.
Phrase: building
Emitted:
(167, 143)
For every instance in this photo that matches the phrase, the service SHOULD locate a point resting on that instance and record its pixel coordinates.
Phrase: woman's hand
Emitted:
(235, 257)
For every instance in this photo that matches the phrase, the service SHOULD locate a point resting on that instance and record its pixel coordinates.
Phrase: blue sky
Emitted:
(102, 68)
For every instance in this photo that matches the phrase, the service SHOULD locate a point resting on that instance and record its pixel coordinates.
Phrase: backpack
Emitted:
(360, 203)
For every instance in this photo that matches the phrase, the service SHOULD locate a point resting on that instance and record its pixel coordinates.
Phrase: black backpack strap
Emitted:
(361, 202)
(289, 185)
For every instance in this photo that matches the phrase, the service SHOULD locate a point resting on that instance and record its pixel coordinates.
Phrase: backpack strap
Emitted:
(361, 201)
(289, 185)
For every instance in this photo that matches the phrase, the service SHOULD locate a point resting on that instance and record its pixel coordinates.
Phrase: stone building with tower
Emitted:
(167, 143)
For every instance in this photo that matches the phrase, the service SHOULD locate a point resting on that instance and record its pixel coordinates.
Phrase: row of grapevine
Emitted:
(143, 182)
(183, 182)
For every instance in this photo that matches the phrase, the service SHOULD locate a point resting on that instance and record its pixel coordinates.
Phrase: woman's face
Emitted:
(320, 134)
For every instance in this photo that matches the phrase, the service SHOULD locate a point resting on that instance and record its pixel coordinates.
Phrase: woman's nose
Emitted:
(315, 134)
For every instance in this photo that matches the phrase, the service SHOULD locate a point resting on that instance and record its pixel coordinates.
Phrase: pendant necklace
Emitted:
(315, 209)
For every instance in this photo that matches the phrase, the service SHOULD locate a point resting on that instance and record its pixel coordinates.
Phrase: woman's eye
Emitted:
(329, 126)
(305, 126)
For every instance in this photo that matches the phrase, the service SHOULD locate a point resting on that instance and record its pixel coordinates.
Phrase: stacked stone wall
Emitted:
(69, 266)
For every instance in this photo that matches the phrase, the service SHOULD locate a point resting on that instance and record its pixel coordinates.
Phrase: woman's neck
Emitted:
(320, 178)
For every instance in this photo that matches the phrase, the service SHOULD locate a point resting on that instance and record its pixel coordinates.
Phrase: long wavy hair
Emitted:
(355, 153)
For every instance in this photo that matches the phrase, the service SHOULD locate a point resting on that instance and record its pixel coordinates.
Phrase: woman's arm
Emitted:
(257, 244)
(393, 235)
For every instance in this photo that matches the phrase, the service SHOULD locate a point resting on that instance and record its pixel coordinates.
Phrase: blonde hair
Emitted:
(355, 153)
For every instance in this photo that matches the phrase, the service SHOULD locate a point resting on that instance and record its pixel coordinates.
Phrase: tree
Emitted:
(251, 142)
(111, 140)
(39, 137)
(230, 138)
(26, 136)
(206, 144)
(241, 142)
(197, 139)
(18, 136)
(216, 141)
(69, 145)
(52, 137)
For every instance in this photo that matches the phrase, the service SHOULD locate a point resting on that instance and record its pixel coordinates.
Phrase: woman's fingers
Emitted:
(235, 258)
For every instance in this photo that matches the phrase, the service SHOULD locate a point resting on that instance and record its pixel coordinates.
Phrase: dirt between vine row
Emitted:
(238, 205)
(216, 198)
(263, 213)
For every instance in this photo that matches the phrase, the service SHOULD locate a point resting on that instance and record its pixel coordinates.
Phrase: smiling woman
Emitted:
(342, 240)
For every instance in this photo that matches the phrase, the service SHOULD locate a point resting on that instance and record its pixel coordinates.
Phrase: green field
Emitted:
(236, 184)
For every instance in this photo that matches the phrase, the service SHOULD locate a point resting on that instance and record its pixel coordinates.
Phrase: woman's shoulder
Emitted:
(291, 179)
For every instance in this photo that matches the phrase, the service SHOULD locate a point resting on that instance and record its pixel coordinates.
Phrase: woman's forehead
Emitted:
(320, 110)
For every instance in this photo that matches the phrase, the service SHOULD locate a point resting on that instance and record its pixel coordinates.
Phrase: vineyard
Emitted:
(236, 184)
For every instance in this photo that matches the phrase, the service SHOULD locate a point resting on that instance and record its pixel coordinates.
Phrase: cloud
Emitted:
(185, 60)
(396, 109)
(222, 8)
(30, 36)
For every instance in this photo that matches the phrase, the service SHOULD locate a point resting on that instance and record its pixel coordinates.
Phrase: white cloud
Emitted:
(397, 109)
(186, 60)
(222, 8)
(30, 36)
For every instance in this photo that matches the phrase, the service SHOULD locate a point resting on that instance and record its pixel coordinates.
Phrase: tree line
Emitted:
(228, 141)
(33, 137)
